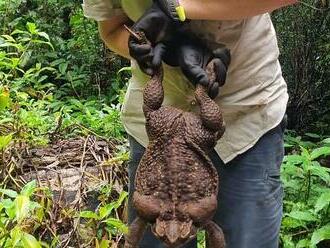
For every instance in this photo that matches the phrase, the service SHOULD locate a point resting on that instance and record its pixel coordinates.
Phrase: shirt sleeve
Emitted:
(101, 10)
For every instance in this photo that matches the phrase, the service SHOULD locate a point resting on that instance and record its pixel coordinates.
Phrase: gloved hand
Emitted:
(157, 27)
(169, 7)
(189, 52)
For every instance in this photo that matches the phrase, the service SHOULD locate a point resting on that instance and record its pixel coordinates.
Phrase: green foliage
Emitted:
(26, 215)
(306, 220)
(32, 103)
(16, 210)
(304, 39)
(86, 67)
(57, 80)
(104, 221)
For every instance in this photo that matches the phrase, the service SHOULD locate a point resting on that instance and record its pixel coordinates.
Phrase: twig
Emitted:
(11, 177)
(37, 175)
(301, 232)
(134, 34)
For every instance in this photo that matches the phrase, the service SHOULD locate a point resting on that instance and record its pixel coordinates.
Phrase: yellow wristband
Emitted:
(181, 13)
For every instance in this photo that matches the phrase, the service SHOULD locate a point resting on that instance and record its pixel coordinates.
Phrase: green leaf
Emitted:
(294, 159)
(287, 241)
(9, 192)
(6, 120)
(300, 215)
(290, 223)
(29, 241)
(29, 188)
(321, 172)
(40, 213)
(106, 210)
(5, 140)
(10, 211)
(17, 31)
(305, 153)
(326, 141)
(25, 58)
(8, 44)
(43, 78)
(8, 38)
(286, 145)
(127, 68)
(322, 202)
(57, 62)
(4, 99)
(313, 135)
(322, 151)
(122, 197)
(303, 243)
(16, 235)
(63, 67)
(104, 243)
(77, 103)
(7, 203)
(44, 35)
(21, 207)
(31, 27)
(88, 215)
(118, 224)
(38, 66)
(321, 234)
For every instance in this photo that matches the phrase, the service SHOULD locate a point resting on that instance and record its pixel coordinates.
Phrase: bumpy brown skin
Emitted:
(176, 183)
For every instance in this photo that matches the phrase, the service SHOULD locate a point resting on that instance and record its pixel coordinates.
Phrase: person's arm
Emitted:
(114, 34)
(230, 10)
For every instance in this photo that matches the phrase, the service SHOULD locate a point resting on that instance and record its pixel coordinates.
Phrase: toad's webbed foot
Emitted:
(214, 236)
(136, 231)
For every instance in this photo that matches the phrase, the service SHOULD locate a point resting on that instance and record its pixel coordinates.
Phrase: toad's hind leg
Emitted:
(214, 236)
(135, 234)
(153, 94)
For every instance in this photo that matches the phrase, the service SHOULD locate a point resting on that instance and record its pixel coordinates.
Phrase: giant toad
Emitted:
(176, 183)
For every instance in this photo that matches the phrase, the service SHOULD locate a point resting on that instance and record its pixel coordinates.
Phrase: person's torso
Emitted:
(254, 79)
(254, 51)
(135, 8)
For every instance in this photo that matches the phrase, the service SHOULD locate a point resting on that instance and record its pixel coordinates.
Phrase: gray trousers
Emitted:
(250, 194)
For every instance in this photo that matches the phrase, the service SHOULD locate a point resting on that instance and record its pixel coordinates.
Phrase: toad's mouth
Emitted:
(174, 233)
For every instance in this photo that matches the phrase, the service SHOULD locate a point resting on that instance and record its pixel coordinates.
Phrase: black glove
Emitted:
(188, 52)
(156, 26)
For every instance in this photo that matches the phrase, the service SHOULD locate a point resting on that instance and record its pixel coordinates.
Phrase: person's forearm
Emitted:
(117, 42)
(230, 10)
(115, 36)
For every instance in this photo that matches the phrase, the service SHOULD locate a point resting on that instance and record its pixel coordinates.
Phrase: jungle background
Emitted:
(63, 149)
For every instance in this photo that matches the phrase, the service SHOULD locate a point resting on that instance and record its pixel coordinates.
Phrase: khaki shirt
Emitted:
(254, 98)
